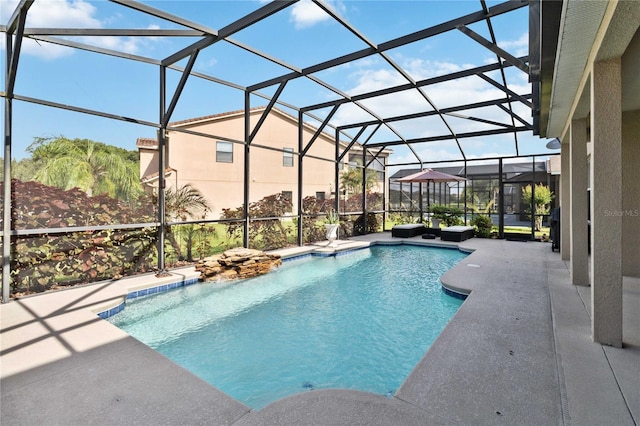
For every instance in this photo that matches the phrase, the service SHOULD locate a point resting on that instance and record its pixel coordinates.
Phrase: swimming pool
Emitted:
(361, 321)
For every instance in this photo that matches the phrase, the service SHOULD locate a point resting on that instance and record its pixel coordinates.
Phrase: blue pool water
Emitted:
(359, 321)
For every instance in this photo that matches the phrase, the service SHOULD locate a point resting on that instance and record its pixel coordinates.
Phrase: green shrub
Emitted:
(373, 224)
(451, 216)
(483, 226)
(266, 230)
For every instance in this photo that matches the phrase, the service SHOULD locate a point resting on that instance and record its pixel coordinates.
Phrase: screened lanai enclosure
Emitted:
(503, 189)
(140, 136)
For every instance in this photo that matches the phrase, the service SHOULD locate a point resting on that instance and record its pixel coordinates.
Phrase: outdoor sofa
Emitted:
(408, 230)
(456, 233)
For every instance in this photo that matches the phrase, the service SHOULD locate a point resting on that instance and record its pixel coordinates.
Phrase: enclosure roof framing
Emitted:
(449, 111)
(384, 130)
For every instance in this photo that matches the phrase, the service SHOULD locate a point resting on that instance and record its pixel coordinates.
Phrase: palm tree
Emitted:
(542, 198)
(351, 179)
(94, 167)
(184, 202)
(181, 204)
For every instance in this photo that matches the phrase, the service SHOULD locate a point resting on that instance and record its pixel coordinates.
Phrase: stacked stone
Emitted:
(235, 264)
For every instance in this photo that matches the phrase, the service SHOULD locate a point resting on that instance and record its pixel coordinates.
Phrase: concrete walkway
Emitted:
(518, 352)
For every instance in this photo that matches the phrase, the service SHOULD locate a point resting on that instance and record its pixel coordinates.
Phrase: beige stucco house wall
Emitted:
(197, 160)
(594, 108)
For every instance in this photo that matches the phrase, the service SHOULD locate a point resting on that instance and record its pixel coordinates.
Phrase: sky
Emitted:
(300, 35)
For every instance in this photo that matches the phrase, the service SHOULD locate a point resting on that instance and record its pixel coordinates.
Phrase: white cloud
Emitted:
(434, 151)
(451, 93)
(130, 45)
(421, 69)
(519, 47)
(68, 14)
(375, 79)
(305, 13)
(208, 63)
(45, 50)
(74, 14)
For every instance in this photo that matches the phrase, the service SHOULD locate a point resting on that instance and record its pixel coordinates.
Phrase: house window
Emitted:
(320, 195)
(287, 157)
(224, 152)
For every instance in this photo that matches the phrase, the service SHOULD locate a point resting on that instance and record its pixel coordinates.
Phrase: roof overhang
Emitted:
(543, 36)
(588, 31)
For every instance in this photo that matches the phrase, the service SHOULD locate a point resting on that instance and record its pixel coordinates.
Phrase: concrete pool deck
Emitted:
(518, 352)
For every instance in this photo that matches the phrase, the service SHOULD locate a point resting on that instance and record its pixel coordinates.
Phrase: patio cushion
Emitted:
(408, 230)
(456, 233)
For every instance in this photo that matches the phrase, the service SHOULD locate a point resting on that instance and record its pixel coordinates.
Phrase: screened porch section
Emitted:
(500, 188)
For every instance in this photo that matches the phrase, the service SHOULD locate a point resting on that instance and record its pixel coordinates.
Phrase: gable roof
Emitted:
(150, 178)
(214, 117)
(509, 169)
(152, 143)
(147, 143)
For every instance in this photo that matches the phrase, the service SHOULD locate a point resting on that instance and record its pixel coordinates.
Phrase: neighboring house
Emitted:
(216, 166)
(482, 181)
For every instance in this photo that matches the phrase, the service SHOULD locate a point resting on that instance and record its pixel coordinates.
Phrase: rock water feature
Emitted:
(237, 264)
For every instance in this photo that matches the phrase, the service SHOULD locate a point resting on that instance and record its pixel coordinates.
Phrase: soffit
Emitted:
(630, 73)
(579, 25)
